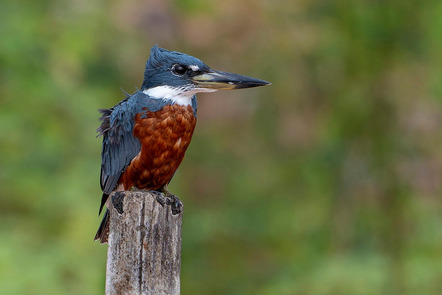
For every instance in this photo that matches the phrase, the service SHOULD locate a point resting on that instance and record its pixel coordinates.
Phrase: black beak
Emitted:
(222, 80)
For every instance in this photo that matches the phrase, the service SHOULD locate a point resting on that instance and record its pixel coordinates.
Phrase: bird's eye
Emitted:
(179, 69)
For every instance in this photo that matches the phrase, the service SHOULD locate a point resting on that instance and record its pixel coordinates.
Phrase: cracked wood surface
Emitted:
(144, 251)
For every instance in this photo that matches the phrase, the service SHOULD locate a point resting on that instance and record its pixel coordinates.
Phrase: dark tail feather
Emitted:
(103, 231)
(103, 201)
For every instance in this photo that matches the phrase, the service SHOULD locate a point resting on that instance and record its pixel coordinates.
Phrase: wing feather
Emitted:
(120, 146)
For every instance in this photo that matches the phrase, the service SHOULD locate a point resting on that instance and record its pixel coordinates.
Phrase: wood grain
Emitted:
(144, 252)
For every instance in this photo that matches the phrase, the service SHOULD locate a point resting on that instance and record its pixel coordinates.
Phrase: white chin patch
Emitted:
(180, 95)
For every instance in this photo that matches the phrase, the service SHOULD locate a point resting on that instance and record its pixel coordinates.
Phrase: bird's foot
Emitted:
(168, 199)
(159, 197)
(175, 204)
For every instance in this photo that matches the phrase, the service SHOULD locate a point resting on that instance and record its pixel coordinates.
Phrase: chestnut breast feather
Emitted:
(164, 136)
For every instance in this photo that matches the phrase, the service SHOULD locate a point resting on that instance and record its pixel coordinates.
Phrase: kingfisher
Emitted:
(145, 136)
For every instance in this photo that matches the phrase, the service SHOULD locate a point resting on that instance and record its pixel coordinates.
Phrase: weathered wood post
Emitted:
(144, 252)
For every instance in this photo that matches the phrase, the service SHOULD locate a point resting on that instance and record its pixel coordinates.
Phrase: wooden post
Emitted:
(144, 252)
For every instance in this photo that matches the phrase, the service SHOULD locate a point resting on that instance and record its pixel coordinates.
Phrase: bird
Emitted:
(145, 136)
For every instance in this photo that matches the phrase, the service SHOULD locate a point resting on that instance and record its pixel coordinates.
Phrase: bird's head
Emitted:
(171, 74)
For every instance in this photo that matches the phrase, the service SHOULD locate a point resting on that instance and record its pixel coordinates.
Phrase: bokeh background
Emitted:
(326, 182)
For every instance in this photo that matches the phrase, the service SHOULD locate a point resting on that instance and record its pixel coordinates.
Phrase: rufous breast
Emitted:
(164, 136)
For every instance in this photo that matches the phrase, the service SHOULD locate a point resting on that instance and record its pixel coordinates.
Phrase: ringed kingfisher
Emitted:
(146, 135)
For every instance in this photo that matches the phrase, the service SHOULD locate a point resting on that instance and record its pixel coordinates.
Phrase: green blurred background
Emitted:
(326, 182)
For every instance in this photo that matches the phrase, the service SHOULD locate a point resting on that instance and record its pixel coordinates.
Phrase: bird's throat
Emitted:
(178, 95)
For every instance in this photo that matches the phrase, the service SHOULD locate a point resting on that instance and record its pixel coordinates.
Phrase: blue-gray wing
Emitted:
(119, 145)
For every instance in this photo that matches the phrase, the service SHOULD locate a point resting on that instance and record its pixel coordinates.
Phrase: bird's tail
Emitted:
(103, 231)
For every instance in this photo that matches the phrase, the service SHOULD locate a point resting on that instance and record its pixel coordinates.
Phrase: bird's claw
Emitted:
(159, 197)
(168, 199)
(175, 204)
(161, 200)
